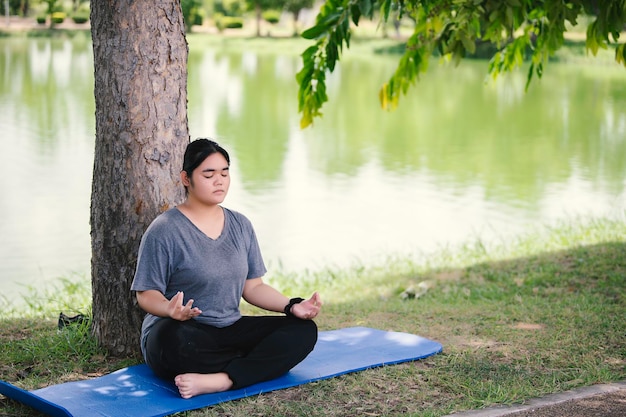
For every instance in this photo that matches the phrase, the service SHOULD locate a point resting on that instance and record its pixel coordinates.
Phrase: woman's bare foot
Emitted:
(190, 385)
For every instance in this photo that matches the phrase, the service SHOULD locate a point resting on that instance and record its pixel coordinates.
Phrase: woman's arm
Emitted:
(154, 302)
(264, 296)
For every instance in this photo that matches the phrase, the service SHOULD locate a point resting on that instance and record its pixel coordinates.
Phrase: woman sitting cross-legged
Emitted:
(196, 261)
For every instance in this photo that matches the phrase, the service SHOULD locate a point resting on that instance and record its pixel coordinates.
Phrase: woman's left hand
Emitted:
(308, 309)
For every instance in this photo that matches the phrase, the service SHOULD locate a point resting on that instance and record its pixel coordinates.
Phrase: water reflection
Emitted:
(458, 159)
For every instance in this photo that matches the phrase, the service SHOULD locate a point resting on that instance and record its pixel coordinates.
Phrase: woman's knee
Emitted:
(306, 333)
(168, 339)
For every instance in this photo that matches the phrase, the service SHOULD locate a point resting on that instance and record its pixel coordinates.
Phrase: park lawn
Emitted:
(539, 314)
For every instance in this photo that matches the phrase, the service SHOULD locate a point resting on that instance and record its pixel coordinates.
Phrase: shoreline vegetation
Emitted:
(368, 38)
(518, 319)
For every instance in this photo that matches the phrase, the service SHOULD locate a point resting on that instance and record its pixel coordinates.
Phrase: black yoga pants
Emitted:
(253, 349)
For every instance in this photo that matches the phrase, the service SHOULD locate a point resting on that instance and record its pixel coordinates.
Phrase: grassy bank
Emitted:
(518, 319)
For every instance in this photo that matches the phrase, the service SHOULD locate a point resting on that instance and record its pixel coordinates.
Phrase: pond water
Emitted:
(460, 159)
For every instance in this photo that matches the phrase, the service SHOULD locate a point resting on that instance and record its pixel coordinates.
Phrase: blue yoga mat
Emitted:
(136, 392)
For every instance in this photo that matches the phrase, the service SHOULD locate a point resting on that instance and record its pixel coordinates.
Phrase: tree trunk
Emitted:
(140, 65)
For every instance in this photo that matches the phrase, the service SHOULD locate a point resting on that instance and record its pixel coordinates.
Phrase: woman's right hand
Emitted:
(178, 311)
(154, 302)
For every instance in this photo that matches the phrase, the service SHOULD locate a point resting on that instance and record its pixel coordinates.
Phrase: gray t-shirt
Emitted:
(174, 255)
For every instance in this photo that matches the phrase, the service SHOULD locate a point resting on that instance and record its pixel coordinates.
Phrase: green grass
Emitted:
(518, 319)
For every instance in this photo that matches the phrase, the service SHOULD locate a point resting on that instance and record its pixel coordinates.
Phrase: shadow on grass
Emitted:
(596, 274)
(512, 329)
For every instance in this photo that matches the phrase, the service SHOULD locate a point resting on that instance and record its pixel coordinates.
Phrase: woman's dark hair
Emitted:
(198, 150)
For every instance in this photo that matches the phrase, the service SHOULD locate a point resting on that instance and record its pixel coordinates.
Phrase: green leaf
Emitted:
(314, 32)
(615, 35)
(304, 77)
(345, 27)
(306, 120)
(323, 25)
(331, 55)
(385, 7)
(529, 77)
(355, 12)
(309, 53)
(331, 19)
(620, 54)
(468, 43)
(509, 18)
(366, 7)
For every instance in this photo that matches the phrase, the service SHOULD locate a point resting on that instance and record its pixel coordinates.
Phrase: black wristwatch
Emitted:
(293, 301)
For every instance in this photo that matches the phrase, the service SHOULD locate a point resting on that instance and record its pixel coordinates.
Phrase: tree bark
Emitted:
(140, 66)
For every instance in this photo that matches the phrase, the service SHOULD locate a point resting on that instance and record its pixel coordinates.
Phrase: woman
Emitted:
(195, 263)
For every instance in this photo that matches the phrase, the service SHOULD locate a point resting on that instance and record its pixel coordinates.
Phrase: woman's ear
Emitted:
(184, 178)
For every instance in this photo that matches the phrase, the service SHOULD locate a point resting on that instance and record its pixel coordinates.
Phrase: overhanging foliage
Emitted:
(451, 28)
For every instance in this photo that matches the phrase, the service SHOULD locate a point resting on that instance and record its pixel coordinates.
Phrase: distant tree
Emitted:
(13, 7)
(191, 12)
(261, 5)
(25, 7)
(295, 7)
(230, 7)
(76, 4)
(452, 28)
(52, 6)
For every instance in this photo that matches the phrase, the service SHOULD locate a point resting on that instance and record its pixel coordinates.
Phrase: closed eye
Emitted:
(208, 173)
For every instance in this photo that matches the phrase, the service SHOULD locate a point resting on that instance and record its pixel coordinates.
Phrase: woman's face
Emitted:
(210, 181)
